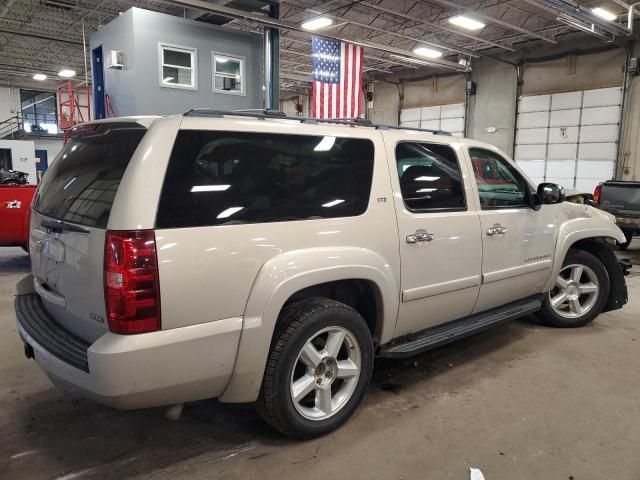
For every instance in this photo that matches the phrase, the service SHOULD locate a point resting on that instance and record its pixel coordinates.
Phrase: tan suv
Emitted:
(252, 257)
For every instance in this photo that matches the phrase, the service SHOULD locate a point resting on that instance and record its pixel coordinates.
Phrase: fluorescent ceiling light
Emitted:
(333, 203)
(229, 211)
(325, 144)
(427, 52)
(209, 188)
(67, 73)
(167, 79)
(427, 179)
(606, 14)
(466, 22)
(40, 77)
(426, 190)
(222, 60)
(317, 23)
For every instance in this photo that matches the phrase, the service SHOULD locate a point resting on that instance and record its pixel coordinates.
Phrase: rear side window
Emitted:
(430, 178)
(82, 182)
(218, 178)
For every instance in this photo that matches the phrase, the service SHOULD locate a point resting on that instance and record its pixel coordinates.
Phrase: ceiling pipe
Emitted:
(283, 25)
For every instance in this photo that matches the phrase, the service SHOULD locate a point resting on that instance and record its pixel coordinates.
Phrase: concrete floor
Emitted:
(520, 402)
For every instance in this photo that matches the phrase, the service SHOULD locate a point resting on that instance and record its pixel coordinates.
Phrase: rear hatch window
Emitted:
(82, 182)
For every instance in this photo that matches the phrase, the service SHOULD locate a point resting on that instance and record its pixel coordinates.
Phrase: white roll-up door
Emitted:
(569, 138)
(449, 118)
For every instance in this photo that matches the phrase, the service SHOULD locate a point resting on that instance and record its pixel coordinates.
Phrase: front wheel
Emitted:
(580, 292)
(318, 369)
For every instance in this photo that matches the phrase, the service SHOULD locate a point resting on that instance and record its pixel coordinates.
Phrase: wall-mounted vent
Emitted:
(114, 59)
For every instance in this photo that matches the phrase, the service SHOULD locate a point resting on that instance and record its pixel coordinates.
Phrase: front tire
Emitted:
(318, 369)
(580, 293)
(628, 235)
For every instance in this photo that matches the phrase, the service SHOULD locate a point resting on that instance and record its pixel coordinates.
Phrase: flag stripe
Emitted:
(337, 78)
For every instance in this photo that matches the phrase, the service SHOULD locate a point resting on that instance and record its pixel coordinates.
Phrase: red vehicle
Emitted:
(15, 203)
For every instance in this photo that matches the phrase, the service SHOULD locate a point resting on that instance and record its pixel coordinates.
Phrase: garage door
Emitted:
(569, 138)
(449, 118)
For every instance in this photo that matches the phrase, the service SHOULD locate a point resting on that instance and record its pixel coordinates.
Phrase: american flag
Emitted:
(337, 78)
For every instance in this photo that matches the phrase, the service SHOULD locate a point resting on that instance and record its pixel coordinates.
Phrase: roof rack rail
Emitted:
(263, 114)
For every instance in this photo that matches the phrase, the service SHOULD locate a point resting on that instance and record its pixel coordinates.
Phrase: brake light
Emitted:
(596, 193)
(131, 284)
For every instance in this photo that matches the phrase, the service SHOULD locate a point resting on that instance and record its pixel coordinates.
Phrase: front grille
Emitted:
(50, 335)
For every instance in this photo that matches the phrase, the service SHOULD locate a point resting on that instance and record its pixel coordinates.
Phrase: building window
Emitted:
(228, 73)
(39, 113)
(178, 66)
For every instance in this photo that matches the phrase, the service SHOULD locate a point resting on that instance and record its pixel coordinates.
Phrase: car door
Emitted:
(440, 244)
(518, 242)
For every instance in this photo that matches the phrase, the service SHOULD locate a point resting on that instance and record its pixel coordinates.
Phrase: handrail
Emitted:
(11, 126)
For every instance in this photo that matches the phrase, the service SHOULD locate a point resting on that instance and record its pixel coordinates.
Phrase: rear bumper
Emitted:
(133, 371)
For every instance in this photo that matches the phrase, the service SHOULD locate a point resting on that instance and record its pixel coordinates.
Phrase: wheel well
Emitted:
(361, 295)
(591, 245)
(598, 246)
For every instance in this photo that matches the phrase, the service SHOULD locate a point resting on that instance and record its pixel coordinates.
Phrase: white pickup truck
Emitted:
(253, 257)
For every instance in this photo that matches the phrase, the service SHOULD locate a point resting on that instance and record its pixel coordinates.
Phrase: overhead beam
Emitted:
(435, 26)
(283, 25)
(39, 36)
(497, 21)
(386, 31)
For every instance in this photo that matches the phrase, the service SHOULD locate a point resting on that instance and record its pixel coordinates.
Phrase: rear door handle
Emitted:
(420, 236)
(497, 229)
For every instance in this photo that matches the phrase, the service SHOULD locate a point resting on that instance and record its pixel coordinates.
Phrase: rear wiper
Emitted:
(63, 226)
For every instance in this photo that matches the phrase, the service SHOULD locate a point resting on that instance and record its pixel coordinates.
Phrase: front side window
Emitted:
(499, 183)
(228, 74)
(226, 178)
(177, 66)
(430, 177)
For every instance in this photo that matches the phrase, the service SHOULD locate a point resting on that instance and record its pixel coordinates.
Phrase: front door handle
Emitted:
(420, 236)
(497, 229)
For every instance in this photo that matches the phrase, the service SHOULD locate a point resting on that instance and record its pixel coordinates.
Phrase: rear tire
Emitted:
(580, 293)
(318, 369)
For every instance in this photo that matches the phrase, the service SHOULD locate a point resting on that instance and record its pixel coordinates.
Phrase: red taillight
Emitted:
(131, 285)
(596, 193)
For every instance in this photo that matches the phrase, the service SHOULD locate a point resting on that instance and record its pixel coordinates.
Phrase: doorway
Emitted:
(5, 158)
(98, 83)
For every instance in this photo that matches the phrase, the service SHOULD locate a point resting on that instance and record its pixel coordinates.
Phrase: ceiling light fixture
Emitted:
(317, 23)
(606, 14)
(467, 23)
(427, 52)
(40, 77)
(66, 73)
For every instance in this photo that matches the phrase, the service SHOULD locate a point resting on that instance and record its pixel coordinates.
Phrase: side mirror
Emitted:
(550, 194)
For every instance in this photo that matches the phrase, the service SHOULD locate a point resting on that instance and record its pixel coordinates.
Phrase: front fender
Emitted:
(281, 277)
(576, 229)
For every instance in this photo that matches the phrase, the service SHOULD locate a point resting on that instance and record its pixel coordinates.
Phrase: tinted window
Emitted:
(429, 177)
(217, 178)
(82, 182)
(499, 184)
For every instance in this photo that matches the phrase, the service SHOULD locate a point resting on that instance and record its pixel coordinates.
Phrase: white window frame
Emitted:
(243, 79)
(162, 46)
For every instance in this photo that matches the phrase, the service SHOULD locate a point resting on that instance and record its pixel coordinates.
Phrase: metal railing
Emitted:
(12, 128)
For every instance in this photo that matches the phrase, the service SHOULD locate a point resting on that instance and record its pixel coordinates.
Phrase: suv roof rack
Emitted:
(266, 113)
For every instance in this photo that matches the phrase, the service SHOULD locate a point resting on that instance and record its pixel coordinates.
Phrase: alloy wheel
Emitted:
(325, 374)
(575, 292)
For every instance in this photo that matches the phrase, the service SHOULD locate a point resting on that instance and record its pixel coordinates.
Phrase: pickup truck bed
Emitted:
(622, 199)
(15, 201)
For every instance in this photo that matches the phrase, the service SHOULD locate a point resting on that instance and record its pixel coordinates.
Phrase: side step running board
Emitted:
(442, 334)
